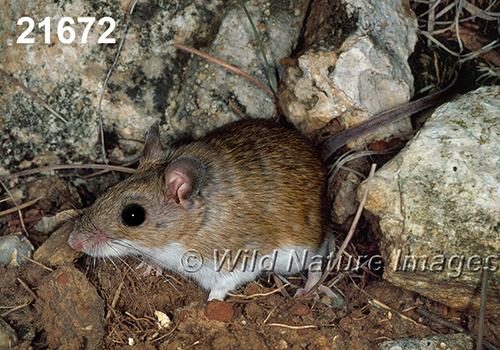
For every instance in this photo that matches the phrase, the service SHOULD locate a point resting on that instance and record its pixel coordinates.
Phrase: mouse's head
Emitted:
(153, 207)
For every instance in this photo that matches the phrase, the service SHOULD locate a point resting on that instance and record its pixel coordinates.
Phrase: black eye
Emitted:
(133, 215)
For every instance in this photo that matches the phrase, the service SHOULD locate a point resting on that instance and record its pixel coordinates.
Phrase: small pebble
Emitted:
(220, 311)
(13, 248)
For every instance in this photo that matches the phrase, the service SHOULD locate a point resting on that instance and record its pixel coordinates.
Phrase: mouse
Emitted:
(247, 198)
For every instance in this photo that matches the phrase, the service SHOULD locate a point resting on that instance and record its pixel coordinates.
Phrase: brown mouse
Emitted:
(247, 197)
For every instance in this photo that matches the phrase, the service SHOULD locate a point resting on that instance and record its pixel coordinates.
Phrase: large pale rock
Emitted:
(70, 77)
(438, 203)
(357, 69)
(353, 66)
(211, 94)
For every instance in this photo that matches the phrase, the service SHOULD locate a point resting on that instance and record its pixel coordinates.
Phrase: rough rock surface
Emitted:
(454, 341)
(209, 90)
(151, 81)
(438, 204)
(70, 77)
(351, 78)
(72, 312)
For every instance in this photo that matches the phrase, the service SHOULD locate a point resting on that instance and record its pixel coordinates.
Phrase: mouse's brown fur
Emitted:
(262, 187)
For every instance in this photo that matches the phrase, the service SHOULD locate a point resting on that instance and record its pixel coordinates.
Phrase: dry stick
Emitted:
(15, 309)
(166, 335)
(28, 289)
(270, 313)
(225, 65)
(22, 206)
(374, 302)
(107, 78)
(37, 263)
(349, 234)
(63, 167)
(32, 94)
(115, 299)
(291, 327)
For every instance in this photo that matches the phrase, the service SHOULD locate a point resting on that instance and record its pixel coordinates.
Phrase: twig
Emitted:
(37, 263)
(259, 294)
(32, 94)
(349, 235)
(63, 167)
(22, 206)
(115, 300)
(482, 310)
(107, 78)
(270, 313)
(451, 325)
(27, 288)
(291, 327)
(14, 309)
(225, 65)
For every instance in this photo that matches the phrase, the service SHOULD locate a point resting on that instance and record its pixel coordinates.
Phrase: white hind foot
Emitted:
(149, 268)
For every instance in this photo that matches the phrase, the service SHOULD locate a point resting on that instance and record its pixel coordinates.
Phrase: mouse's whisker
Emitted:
(122, 276)
(143, 258)
(141, 283)
(109, 272)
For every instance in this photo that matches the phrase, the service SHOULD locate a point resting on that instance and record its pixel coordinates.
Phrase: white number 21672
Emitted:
(65, 33)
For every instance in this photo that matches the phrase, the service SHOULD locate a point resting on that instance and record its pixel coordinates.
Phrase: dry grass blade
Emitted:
(225, 65)
(458, 13)
(451, 325)
(270, 75)
(483, 14)
(22, 206)
(63, 167)
(436, 42)
(32, 94)
(103, 147)
(350, 234)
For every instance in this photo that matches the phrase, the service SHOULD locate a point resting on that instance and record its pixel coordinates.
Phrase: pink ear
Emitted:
(183, 179)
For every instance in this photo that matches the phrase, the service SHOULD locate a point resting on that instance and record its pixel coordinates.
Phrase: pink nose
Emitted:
(76, 240)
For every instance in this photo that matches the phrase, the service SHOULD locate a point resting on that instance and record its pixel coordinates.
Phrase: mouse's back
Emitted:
(263, 185)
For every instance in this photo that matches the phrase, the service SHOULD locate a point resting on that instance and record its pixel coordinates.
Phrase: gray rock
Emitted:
(8, 338)
(439, 342)
(356, 77)
(354, 67)
(13, 249)
(438, 204)
(154, 81)
(203, 103)
(69, 77)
